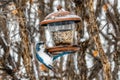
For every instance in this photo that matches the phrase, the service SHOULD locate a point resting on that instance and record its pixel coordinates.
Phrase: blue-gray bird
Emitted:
(45, 58)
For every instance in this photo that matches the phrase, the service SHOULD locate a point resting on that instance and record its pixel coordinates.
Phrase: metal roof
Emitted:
(60, 16)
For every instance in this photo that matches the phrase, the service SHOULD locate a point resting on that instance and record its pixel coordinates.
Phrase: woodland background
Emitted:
(99, 38)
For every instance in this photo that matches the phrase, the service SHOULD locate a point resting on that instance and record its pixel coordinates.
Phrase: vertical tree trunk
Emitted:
(81, 60)
(95, 36)
(81, 11)
(82, 66)
(70, 68)
(26, 55)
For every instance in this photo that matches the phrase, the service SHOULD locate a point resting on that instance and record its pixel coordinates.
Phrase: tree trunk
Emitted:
(95, 36)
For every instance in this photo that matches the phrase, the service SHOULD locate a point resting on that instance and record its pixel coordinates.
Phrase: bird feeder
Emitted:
(60, 31)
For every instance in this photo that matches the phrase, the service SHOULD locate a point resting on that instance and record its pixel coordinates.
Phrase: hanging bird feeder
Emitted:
(60, 31)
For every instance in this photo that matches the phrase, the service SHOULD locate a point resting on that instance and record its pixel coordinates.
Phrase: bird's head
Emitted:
(40, 46)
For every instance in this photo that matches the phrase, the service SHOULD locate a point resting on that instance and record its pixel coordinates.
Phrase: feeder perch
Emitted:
(60, 31)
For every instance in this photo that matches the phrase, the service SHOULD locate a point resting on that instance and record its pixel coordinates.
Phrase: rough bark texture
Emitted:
(95, 36)
(98, 30)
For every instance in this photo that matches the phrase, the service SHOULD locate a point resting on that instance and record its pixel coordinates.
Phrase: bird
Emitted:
(45, 58)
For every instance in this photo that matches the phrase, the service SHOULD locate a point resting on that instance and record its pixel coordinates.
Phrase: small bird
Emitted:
(45, 58)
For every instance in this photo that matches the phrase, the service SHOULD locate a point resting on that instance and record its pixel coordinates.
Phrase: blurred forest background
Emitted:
(99, 36)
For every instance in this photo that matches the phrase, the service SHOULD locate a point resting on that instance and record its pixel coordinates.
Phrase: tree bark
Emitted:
(95, 36)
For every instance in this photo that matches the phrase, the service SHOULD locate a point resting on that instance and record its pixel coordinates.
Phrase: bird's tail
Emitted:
(54, 70)
(51, 68)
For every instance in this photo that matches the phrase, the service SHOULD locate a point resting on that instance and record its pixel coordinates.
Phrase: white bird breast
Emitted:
(46, 58)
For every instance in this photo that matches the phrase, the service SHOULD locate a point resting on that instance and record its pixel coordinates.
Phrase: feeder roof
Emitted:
(60, 16)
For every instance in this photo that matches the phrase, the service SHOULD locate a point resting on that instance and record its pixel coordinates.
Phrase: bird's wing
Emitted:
(61, 54)
(39, 58)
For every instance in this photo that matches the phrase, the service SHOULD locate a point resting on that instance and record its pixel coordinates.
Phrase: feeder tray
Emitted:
(63, 48)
